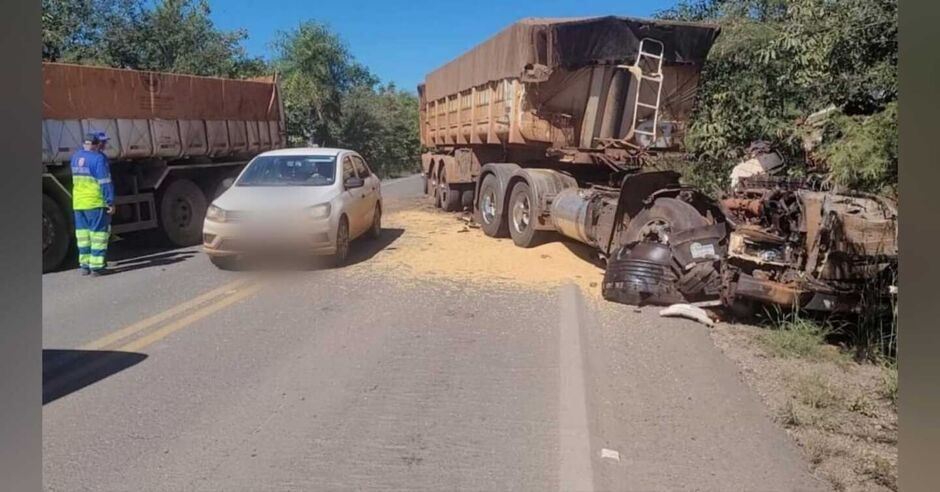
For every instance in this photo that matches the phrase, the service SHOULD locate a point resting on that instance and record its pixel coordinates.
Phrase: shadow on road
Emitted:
(67, 371)
(135, 251)
(582, 251)
(364, 249)
(154, 260)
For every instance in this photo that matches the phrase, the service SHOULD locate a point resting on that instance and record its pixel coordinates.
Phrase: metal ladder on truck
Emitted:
(646, 58)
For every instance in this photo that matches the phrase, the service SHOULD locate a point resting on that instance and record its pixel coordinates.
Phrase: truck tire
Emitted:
(522, 215)
(56, 234)
(492, 222)
(449, 195)
(434, 190)
(182, 209)
(667, 214)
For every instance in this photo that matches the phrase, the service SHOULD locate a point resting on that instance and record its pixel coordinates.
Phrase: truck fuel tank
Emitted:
(571, 214)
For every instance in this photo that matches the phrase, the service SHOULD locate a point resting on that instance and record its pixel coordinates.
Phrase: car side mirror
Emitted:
(353, 183)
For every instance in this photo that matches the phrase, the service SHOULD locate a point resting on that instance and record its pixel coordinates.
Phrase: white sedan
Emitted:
(307, 200)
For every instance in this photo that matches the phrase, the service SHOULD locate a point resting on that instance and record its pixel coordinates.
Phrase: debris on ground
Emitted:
(687, 311)
(432, 246)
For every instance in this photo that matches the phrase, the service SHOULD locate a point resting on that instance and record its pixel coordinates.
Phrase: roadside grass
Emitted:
(882, 471)
(793, 336)
(889, 379)
(818, 393)
(834, 391)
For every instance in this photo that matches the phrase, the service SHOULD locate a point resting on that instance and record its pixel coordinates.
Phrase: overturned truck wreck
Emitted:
(776, 242)
(797, 247)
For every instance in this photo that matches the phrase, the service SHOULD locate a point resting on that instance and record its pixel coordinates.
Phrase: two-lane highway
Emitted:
(173, 375)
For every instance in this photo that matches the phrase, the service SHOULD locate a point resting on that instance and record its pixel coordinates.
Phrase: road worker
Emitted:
(93, 203)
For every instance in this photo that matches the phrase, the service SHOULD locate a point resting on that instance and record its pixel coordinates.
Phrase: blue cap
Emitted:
(102, 136)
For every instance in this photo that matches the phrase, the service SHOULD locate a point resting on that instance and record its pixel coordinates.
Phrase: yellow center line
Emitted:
(160, 317)
(197, 315)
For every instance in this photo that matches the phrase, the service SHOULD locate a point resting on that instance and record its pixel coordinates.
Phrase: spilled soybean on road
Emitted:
(396, 372)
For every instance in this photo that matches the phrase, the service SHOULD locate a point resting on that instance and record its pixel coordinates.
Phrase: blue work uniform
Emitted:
(92, 194)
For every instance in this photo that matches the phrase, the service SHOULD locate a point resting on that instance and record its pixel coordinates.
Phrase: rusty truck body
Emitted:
(175, 142)
(546, 127)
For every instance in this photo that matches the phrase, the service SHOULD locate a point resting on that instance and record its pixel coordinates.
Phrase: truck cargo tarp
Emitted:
(568, 43)
(76, 92)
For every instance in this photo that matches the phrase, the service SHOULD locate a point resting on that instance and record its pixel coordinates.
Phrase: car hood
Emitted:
(267, 198)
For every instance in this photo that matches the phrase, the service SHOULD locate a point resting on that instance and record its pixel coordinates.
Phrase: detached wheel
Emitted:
(375, 231)
(522, 217)
(492, 222)
(449, 195)
(182, 210)
(56, 235)
(342, 243)
(667, 215)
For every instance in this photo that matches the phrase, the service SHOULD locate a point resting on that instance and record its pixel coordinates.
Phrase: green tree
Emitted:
(172, 36)
(777, 62)
(316, 70)
(382, 124)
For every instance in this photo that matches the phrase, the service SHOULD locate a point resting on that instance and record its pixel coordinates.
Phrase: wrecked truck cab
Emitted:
(796, 247)
(668, 244)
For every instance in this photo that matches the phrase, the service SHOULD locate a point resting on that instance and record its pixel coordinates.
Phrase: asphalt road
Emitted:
(173, 375)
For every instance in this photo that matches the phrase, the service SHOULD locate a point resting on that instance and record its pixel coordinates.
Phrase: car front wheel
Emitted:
(342, 242)
(376, 230)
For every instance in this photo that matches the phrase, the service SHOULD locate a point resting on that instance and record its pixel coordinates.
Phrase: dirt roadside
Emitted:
(840, 412)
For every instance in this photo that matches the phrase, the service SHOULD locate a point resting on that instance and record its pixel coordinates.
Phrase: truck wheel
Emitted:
(492, 222)
(449, 195)
(56, 235)
(667, 215)
(434, 190)
(522, 217)
(182, 211)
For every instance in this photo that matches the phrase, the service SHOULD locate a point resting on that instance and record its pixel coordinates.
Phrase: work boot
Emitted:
(84, 271)
(99, 272)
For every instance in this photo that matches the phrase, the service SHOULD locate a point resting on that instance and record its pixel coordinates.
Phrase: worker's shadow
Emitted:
(149, 261)
(67, 371)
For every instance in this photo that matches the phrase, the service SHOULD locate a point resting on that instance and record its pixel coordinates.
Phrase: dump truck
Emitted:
(559, 126)
(551, 126)
(175, 142)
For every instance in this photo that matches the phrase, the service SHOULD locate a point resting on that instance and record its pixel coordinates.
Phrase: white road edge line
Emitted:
(575, 469)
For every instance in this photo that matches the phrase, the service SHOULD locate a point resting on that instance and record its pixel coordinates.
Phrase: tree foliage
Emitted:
(332, 100)
(777, 62)
(172, 36)
(329, 98)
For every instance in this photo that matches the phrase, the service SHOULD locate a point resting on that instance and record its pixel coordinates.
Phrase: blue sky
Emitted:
(400, 41)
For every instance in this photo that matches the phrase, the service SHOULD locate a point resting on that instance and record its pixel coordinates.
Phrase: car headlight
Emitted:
(320, 211)
(215, 214)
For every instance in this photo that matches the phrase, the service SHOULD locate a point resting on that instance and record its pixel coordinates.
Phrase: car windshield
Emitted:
(290, 170)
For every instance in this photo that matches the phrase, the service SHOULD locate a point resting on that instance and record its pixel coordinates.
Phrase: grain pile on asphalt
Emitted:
(435, 245)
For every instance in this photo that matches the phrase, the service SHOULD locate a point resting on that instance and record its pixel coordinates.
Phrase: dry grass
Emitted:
(840, 411)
